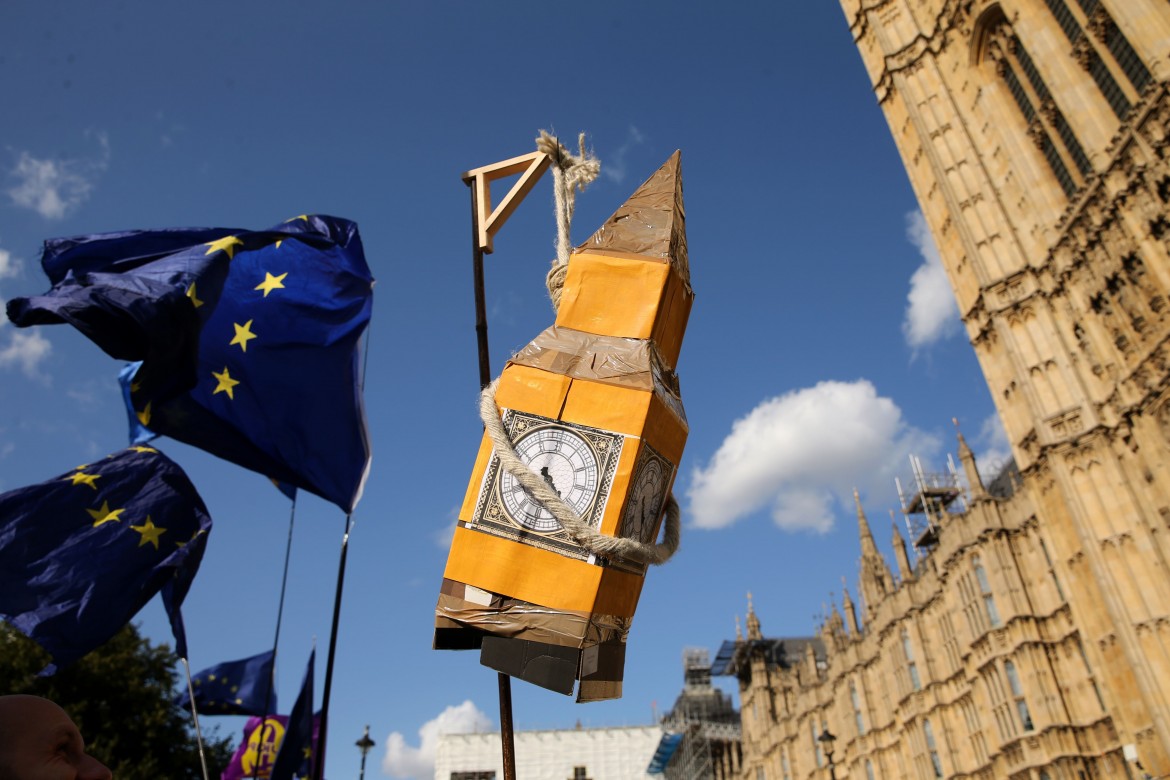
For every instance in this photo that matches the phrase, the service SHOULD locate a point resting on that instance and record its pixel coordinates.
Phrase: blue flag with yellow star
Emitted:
(248, 340)
(82, 553)
(297, 747)
(241, 687)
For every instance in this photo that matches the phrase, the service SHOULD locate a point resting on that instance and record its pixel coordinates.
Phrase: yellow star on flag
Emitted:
(271, 283)
(226, 244)
(81, 478)
(104, 514)
(243, 334)
(305, 217)
(191, 292)
(226, 384)
(144, 416)
(142, 448)
(150, 532)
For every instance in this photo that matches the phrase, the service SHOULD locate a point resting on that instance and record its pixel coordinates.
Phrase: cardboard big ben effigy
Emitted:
(589, 428)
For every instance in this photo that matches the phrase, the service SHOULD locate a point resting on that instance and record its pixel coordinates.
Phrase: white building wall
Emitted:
(606, 753)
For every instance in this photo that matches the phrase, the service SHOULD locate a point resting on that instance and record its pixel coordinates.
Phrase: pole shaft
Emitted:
(507, 740)
(319, 754)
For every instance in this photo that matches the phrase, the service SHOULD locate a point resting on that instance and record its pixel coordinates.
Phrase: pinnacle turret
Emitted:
(875, 578)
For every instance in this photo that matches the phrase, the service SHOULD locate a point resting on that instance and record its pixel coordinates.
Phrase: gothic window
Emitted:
(950, 642)
(1064, 155)
(1018, 694)
(856, 702)
(935, 761)
(974, 729)
(785, 767)
(999, 703)
(985, 592)
(868, 769)
(481, 775)
(1122, 53)
(911, 667)
(812, 732)
(580, 773)
(761, 773)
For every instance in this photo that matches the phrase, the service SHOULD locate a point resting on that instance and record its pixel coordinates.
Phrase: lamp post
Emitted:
(364, 744)
(827, 738)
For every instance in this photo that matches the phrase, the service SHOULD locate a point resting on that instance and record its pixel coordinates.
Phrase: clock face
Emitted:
(644, 504)
(568, 463)
(577, 461)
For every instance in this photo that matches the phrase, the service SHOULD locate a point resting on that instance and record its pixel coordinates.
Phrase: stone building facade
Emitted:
(1032, 639)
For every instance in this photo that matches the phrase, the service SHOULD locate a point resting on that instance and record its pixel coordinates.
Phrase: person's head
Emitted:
(39, 741)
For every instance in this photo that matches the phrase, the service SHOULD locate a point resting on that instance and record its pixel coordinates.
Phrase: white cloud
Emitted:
(801, 452)
(54, 188)
(9, 265)
(403, 761)
(931, 311)
(26, 350)
(613, 167)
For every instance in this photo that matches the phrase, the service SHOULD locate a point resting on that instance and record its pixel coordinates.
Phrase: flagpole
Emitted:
(292, 515)
(195, 717)
(507, 739)
(319, 757)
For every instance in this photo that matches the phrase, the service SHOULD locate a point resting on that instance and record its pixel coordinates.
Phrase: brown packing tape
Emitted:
(625, 362)
(612, 360)
(521, 620)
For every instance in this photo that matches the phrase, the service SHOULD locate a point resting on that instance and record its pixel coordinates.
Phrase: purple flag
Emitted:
(256, 754)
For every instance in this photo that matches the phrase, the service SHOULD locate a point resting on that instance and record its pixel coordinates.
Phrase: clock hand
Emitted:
(548, 478)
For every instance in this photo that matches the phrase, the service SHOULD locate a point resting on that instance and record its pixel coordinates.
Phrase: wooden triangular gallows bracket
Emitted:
(488, 219)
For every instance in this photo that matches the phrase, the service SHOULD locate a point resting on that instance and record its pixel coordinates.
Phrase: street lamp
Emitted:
(827, 738)
(364, 744)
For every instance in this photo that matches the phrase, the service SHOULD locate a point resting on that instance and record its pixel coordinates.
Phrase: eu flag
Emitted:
(241, 687)
(247, 340)
(297, 748)
(82, 553)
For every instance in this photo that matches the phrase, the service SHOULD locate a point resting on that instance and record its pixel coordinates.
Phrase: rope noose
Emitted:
(571, 174)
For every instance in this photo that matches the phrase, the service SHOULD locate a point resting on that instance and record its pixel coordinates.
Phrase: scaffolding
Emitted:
(927, 500)
(701, 733)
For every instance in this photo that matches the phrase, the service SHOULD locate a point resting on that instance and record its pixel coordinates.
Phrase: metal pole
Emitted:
(319, 756)
(507, 740)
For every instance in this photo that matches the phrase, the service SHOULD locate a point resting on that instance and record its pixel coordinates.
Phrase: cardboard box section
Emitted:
(627, 296)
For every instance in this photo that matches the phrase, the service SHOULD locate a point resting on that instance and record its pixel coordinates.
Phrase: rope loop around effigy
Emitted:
(584, 534)
(571, 174)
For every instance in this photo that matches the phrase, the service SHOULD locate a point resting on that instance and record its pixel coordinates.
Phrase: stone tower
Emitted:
(1034, 135)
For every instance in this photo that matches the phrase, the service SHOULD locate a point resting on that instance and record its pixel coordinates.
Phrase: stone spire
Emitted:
(850, 611)
(974, 482)
(905, 570)
(875, 581)
(753, 622)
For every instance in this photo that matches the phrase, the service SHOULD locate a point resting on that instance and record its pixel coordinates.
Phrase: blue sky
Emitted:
(823, 347)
